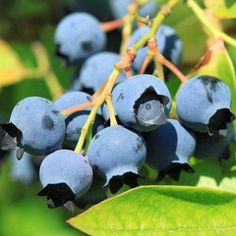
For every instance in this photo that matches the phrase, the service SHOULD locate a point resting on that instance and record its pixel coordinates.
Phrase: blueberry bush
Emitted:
(120, 117)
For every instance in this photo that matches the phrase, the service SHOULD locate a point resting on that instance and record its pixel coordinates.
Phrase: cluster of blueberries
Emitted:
(142, 104)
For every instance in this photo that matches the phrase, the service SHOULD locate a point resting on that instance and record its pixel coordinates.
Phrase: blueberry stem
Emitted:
(146, 62)
(174, 69)
(97, 103)
(112, 25)
(205, 21)
(129, 18)
(160, 60)
(164, 11)
(128, 73)
(76, 108)
(99, 91)
(88, 138)
(123, 64)
(143, 20)
(173, 113)
(128, 24)
(153, 48)
(111, 111)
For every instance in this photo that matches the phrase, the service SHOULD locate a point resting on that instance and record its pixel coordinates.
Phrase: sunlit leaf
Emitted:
(224, 9)
(11, 69)
(183, 20)
(162, 210)
(232, 52)
(195, 34)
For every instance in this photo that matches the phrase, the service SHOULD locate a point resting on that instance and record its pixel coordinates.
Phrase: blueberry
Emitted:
(64, 174)
(78, 36)
(76, 121)
(119, 8)
(22, 171)
(142, 102)
(216, 146)
(117, 154)
(97, 68)
(169, 44)
(35, 126)
(204, 104)
(169, 148)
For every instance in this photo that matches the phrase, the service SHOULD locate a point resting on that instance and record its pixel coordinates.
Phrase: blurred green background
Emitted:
(22, 22)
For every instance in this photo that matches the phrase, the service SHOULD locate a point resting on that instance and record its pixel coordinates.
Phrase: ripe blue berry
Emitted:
(169, 44)
(76, 121)
(64, 175)
(215, 146)
(142, 102)
(119, 8)
(169, 148)
(117, 154)
(78, 36)
(97, 68)
(35, 126)
(204, 104)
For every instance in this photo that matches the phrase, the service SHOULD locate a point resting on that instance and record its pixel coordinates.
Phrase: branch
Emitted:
(211, 27)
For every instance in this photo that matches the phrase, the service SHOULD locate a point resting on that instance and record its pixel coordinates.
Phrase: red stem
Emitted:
(112, 25)
(77, 108)
(174, 69)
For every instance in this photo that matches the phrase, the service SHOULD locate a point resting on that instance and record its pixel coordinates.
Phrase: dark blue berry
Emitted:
(96, 70)
(117, 154)
(76, 121)
(64, 175)
(35, 126)
(169, 148)
(78, 36)
(215, 146)
(203, 104)
(142, 102)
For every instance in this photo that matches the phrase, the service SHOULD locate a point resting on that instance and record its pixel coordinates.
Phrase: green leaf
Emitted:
(223, 9)
(198, 36)
(232, 52)
(217, 62)
(182, 20)
(229, 181)
(162, 210)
